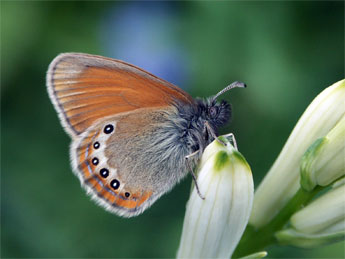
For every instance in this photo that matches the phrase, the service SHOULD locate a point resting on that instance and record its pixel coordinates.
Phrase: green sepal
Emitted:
(308, 181)
(221, 159)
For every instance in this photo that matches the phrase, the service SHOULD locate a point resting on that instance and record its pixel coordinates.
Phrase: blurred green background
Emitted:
(286, 52)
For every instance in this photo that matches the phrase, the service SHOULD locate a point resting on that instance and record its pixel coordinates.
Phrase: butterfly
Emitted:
(134, 135)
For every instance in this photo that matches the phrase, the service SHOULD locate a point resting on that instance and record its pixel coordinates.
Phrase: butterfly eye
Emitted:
(213, 111)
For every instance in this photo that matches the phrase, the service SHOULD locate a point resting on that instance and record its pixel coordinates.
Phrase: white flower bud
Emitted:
(283, 179)
(213, 226)
(324, 161)
(322, 213)
(321, 222)
(295, 238)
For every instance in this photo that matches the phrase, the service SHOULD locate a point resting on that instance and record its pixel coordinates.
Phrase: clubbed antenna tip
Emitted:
(232, 85)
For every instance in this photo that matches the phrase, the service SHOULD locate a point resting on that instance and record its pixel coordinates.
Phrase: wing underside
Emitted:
(106, 183)
(85, 88)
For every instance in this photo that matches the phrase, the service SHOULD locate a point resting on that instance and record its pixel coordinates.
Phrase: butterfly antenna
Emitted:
(232, 85)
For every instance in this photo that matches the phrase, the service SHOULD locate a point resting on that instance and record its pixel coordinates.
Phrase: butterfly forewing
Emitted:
(85, 88)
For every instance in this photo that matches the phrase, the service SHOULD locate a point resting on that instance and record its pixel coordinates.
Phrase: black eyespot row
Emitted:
(95, 161)
(104, 172)
(127, 194)
(108, 129)
(115, 184)
(96, 145)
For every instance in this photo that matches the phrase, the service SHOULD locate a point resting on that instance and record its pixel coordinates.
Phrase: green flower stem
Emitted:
(254, 240)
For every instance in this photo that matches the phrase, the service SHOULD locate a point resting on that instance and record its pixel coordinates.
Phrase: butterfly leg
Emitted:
(213, 134)
(233, 140)
(192, 173)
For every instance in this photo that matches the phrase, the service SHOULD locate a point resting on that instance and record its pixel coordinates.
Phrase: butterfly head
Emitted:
(209, 116)
(215, 113)
(218, 113)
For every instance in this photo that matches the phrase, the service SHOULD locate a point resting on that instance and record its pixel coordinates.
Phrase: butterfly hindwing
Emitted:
(127, 161)
(105, 183)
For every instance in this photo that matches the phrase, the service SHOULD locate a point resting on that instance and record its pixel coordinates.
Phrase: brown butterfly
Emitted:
(134, 135)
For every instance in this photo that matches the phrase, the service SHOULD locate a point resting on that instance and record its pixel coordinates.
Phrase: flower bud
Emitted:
(320, 222)
(324, 162)
(213, 226)
(322, 213)
(283, 179)
(303, 240)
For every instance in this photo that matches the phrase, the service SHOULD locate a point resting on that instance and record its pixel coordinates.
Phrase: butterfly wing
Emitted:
(85, 88)
(126, 162)
(106, 183)
(117, 114)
